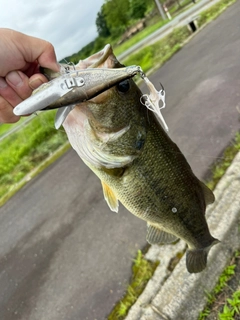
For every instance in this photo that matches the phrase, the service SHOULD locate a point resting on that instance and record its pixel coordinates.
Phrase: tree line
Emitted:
(113, 19)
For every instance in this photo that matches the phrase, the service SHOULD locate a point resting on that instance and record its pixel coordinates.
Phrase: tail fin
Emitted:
(196, 259)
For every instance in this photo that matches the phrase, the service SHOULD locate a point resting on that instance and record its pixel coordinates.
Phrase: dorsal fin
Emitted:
(156, 235)
(208, 194)
(110, 197)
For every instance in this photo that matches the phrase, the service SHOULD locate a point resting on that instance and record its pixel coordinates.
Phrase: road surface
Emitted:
(64, 255)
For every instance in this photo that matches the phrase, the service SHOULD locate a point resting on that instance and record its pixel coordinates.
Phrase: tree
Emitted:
(116, 14)
(101, 23)
(99, 43)
(138, 9)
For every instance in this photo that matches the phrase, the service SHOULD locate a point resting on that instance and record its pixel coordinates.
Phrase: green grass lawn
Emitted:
(138, 37)
(23, 150)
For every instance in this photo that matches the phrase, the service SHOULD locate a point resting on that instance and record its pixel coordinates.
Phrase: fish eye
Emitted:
(123, 86)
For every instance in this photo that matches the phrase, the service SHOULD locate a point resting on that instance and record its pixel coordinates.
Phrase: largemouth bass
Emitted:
(123, 143)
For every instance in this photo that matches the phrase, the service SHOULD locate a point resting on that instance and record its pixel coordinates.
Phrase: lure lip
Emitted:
(75, 86)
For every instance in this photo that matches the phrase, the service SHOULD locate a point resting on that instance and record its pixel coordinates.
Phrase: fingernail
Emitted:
(3, 83)
(34, 84)
(14, 78)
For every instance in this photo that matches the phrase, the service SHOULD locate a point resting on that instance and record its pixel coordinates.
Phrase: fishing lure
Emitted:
(76, 86)
(152, 100)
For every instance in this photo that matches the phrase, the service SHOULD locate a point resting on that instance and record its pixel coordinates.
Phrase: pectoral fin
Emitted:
(156, 235)
(110, 197)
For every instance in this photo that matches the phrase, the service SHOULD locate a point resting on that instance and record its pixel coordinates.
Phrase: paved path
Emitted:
(63, 254)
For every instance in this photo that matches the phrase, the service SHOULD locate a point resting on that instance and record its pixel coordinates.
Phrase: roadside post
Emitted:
(167, 12)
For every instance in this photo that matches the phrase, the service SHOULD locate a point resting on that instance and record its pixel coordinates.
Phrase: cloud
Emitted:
(68, 25)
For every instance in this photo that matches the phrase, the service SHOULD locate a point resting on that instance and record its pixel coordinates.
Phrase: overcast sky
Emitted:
(67, 24)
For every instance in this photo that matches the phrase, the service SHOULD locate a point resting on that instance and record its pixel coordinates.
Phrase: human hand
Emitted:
(20, 58)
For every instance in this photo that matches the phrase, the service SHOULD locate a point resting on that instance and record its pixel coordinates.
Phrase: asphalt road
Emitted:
(64, 254)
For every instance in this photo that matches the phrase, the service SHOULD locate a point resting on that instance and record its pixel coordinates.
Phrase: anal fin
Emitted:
(110, 197)
(208, 194)
(156, 235)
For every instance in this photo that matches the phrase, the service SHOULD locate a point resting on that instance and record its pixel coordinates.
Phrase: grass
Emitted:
(213, 12)
(23, 151)
(230, 306)
(160, 52)
(175, 9)
(138, 37)
(220, 167)
(142, 271)
(11, 190)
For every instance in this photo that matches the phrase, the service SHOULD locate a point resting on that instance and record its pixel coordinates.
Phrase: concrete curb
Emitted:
(182, 296)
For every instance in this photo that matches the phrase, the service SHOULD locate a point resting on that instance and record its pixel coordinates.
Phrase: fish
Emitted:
(139, 165)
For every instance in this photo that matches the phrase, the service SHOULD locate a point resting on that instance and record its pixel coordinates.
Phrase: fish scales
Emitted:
(140, 166)
(158, 181)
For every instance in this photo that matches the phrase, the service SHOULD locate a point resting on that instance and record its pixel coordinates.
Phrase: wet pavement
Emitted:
(64, 254)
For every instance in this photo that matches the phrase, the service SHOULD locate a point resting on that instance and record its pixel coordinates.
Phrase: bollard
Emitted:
(167, 12)
(192, 24)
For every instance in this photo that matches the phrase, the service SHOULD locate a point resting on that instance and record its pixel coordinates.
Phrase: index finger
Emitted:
(22, 51)
(37, 49)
